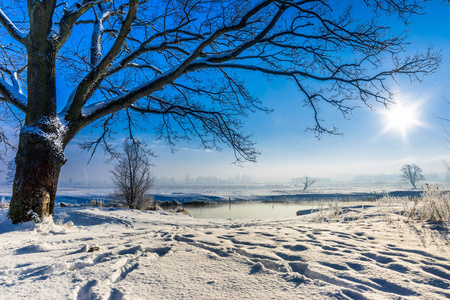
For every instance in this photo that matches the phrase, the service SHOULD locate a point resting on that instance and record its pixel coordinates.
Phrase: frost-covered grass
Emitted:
(4, 204)
(433, 206)
(326, 211)
(97, 203)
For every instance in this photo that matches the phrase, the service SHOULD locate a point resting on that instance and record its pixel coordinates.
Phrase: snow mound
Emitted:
(44, 247)
(47, 226)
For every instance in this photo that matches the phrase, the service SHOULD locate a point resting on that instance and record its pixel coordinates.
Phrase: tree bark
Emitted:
(38, 163)
(40, 155)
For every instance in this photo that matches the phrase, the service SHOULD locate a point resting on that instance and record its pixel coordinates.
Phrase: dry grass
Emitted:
(145, 203)
(4, 204)
(433, 206)
(181, 210)
(389, 208)
(328, 211)
(97, 203)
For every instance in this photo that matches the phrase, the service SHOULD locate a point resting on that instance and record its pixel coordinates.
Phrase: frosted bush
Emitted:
(144, 203)
(3, 203)
(97, 203)
(435, 206)
(319, 212)
(334, 210)
(327, 212)
(182, 211)
(410, 207)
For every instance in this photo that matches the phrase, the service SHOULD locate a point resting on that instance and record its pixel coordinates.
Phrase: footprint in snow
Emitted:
(337, 267)
(85, 292)
(116, 295)
(328, 248)
(296, 248)
(436, 272)
(378, 258)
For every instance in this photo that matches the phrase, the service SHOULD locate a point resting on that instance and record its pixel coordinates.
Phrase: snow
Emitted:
(54, 32)
(62, 114)
(127, 254)
(74, 8)
(96, 42)
(16, 30)
(55, 137)
(92, 108)
(15, 91)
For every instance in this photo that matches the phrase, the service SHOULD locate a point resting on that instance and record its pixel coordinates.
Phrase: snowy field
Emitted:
(126, 254)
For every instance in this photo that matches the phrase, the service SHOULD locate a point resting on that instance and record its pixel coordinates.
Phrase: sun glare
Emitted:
(402, 118)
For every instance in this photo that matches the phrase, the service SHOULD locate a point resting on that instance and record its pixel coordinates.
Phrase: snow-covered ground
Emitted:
(128, 254)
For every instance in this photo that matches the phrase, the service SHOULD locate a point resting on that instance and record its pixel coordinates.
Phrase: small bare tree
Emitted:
(412, 173)
(132, 175)
(308, 181)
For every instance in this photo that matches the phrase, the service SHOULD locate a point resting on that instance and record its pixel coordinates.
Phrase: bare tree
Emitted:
(182, 63)
(132, 175)
(412, 173)
(307, 182)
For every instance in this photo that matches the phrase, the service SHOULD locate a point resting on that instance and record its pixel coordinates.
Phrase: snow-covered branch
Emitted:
(71, 16)
(92, 80)
(12, 94)
(13, 31)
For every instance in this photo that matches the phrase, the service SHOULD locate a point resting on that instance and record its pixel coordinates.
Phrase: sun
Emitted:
(402, 117)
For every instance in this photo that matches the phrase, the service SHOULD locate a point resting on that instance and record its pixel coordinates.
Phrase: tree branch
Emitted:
(92, 80)
(71, 16)
(11, 94)
(13, 31)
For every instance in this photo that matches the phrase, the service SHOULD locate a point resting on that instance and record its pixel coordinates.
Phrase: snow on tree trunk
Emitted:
(39, 160)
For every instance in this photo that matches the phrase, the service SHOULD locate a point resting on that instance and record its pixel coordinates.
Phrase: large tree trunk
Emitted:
(38, 162)
(40, 154)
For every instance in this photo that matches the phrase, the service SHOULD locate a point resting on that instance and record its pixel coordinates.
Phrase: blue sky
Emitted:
(288, 151)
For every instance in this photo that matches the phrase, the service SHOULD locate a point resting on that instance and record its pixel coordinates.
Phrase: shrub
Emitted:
(3, 203)
(97, 203)
(182, 211)
(145, 203)
(432, 206)
(435, 204)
